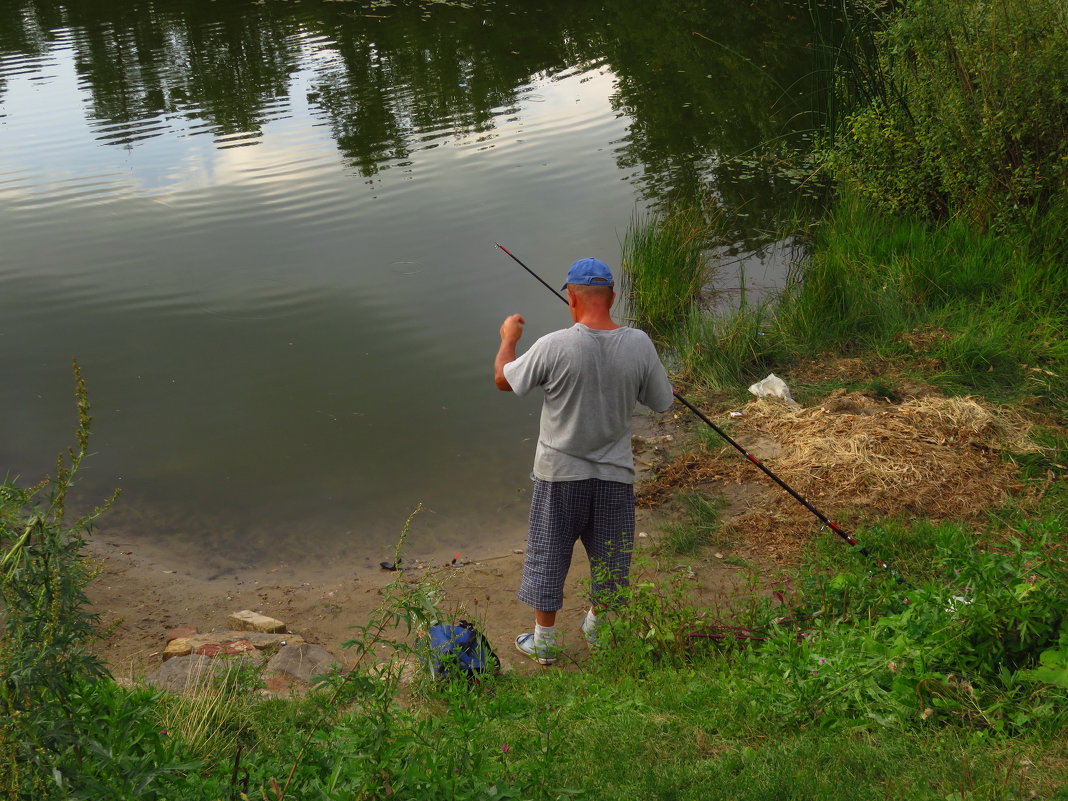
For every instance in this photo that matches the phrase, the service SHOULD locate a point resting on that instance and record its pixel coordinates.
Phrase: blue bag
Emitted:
(459, 650)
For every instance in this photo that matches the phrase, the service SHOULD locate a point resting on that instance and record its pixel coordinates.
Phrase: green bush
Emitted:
(967, 109)
(961, 647)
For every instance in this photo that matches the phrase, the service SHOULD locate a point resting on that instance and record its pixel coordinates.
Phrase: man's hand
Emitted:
(511, 331)
(512, 328)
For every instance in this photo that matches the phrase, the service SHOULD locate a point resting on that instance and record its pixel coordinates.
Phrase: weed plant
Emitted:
(66, 731)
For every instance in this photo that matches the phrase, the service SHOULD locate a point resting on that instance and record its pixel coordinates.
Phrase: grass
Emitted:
(665, 267)
(210, 716)
(848, 692)
(972, 311)
(702, 521)
(722, 352)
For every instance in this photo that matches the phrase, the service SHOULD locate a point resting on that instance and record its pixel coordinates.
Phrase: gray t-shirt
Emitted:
(592, 380)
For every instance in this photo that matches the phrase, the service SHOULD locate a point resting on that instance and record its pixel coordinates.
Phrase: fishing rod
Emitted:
(827, 523)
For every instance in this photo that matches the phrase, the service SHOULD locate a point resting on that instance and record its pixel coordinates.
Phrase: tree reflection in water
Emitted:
(702, 81)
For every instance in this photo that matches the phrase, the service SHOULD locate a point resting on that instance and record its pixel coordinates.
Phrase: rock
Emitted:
(260, 641)
(187, 673)
(177, 647)
(179, 633)
(226, 648)
(247, 620)
(298, 663)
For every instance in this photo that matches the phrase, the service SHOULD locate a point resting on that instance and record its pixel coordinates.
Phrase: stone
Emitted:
(228, 648)
(278, 684)
(299, 662)
(260, 641)
(187, 673)
(247, 620)
(177, 647)
(181, 632)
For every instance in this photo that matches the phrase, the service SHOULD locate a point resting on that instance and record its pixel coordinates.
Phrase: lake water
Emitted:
(266, 230)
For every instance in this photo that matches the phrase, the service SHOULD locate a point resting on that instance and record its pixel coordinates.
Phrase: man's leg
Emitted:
(543, 618)
(557, 513)
(609, 543)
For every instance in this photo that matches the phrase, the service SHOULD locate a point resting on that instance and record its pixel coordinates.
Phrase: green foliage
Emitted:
(723, 351)
(45, 649)
(977, 311)
(1053, 665)
(654, 624)
(117, 749)
(958, 648)
(701, 523)
(965, 109)
(665, 267)
(67, 731)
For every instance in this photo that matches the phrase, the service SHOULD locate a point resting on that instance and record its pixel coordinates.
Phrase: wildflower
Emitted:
(822, 660)
(505, 748)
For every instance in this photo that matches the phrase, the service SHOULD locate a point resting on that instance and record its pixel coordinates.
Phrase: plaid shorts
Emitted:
(601, 514)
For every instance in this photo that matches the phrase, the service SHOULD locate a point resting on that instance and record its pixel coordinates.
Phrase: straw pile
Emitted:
(928, 457)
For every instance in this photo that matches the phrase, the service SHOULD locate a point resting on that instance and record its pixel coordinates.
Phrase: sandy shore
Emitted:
(140, 592)
(139, 598)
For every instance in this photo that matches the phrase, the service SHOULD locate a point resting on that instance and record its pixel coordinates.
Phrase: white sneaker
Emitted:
(589, 629)
(544, 655)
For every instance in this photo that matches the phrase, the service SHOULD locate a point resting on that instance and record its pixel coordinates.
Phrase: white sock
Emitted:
(544, 636)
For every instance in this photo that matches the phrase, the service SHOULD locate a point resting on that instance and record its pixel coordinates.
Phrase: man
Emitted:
(592, 375)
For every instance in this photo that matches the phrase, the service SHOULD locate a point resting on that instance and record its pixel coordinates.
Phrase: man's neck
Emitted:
(598, 322)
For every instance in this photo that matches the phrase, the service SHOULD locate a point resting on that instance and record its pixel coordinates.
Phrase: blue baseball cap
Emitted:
(589, 272)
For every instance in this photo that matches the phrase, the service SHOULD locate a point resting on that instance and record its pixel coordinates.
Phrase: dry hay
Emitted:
(929, 457)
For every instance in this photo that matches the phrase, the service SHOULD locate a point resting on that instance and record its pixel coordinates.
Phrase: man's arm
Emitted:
(511, 331)
(657, 392)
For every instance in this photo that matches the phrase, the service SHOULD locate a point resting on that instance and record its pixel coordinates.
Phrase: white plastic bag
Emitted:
(774, 387)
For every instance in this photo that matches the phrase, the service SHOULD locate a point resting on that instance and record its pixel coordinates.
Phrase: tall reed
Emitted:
(665, 267)
(724, 351)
